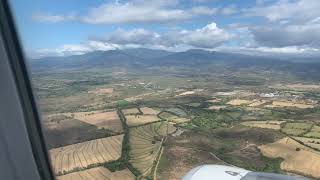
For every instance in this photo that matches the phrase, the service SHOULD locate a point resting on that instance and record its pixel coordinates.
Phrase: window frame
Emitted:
(26, 124)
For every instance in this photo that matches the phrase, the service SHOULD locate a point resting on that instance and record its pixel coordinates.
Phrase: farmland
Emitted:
(296, 128)
(106, 120)
(290, 104)
(310, 142)
(98, 173)
(173, 118)
(149, 111)
(314, 132)
(146, 144)
(82, 155)
(130, 111)
(297, 158)
(159, 122)
(134, 120)
(264, 124)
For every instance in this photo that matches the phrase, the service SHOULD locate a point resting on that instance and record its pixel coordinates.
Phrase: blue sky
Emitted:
(59, 28)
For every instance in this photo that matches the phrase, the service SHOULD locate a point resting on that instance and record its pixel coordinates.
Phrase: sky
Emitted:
(69, 27)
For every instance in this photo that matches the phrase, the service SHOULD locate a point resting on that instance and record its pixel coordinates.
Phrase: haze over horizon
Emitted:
(271, 27)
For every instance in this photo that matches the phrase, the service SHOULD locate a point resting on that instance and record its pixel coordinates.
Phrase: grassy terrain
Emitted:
(205, 132)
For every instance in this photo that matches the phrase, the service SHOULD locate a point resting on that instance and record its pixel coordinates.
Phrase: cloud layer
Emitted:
(279, 26)
(209, 36)
(137, 11)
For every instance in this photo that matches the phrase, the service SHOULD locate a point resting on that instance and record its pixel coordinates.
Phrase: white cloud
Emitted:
(229, 10)
(52, 18)
(134, 36)
(203, 10)
(210, 36)
(74, 49)
(137, 11)
(131, 12)
(207, 37)
(299, 10)
(134, 11)
(293, 51)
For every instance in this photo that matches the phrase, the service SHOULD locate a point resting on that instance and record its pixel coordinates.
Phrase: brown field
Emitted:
(312, 142)
(149, 111)
(186, 93)
(145, 145)
(239, 93)
(107, 120)
(290, 104)
(264, 124)
(102, 91)
(82, 155)
(61, 130)
(130, 111)
(134, 120)
(305, 161)
(98, 173)
(257, 103)
(238, 102)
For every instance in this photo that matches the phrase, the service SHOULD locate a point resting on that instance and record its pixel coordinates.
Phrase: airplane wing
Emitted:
(220, 172)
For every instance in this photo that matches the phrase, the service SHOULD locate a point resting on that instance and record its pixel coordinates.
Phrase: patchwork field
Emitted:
(296, 128)
(256, 103)
(276, 104)
(238, 102)
(264, 124)
(173, 118)
(130, 111)
(311, 142)
(82, 155)
(108, 120)
(61, 130)
(97, 174)
(134, 120)
(149, 111)
(145, 145)
(314, 132)
(102, 91)
(297, 158)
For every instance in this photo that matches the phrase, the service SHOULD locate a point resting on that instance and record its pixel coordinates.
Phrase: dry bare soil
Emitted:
(149, 111)
(264, 124)
(145, 145)
(238, 102)
(297, 158)
(97, 174)
(82, 155)
(130, 111)
(61, 130)
(278, 104)
(108, 120)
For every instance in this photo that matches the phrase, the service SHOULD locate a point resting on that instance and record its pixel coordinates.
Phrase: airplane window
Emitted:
(176, 89)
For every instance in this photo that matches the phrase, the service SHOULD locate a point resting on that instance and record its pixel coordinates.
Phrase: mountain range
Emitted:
(141, 57)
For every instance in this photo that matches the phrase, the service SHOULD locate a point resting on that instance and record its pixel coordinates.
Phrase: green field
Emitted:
(296, 129)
